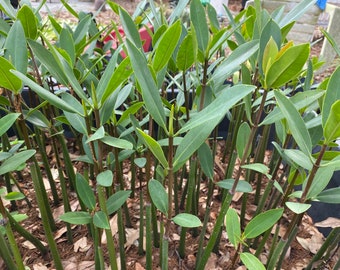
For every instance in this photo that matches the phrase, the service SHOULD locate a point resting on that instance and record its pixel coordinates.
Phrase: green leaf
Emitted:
(187, 51)
(331, 195)
(262, 222)
(7, 79)
(166, 46)
(155, 148)
(332, 127)
(28, 21)
(105, 178)
(12, 163)
(320, 181)
(187, 220)
(242, 186)
(130, 28)
(85, 192)
(299, 158)
(76, 121)
(199, 22)
(140, 162)
(202, 124)
(116, 142)
(258, 167)
(296, 124)
(298, 208)
(38, 119)
(232, 63)
(99, 134)
(158, 196)
(7, 121)
(16, 49)
(287, 66)
(233, 227)
(206, 160)
(66, 42)
(332, 95)
(251, 262)
(78, 218)
(110, 81)
(115, 201)
(100, 220)
(242, 139)
(150, 91)
(82, 29)
(14, 196)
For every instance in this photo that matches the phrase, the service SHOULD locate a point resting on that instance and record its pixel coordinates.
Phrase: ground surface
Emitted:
(79, 255)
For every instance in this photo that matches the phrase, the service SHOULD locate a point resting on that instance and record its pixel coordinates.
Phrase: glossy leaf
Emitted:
(28, 21)
(158, 196)
(270, 41)
(296, 124)
(332, 127)
(197, 16)
(298, 208)
(251, 262)
(12, 163)
(187, 53)
(115, 201)
(155, 148)
(187, 220)
(202, 124)
(85, 192)
(287, 66)
(166, 46)
(100, 220)
(16, 49)
(298, 157)
(150, 92)
(7, 121)
(233, 227)
(262, 222)
(242, 186)
(78, 218)
(242, 139)
(113, 77)
(7, 79)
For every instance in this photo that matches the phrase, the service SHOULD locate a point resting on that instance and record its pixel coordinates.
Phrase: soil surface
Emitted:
(79, 254)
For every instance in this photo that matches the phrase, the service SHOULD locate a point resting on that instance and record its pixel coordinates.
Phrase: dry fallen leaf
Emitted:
(114, 228)
(132, 235)
(329, 222)
(312, 244)
(211, 263)
(81, 245)
(27, 244)
(138, 266)
(39, 266)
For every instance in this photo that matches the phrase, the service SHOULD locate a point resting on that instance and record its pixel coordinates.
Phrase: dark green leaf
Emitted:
(187, 53)
(12, 163)
(198, 19)
(85, 192)
(158, 196)
(206, 160)
(78, 218)
(7, 121)
(262, 222)
(115, 201)
(242, 139)
(233, 227)
(100, 220)
(28, 21)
